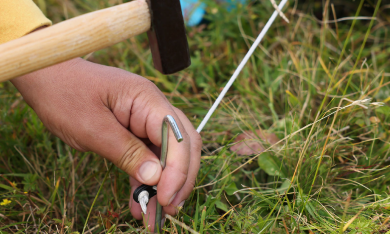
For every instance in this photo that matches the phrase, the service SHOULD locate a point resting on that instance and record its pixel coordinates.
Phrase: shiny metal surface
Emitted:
(167, 121)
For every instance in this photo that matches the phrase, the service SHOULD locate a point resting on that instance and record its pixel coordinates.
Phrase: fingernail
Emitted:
(147, 170)
(178, 208)
(181, 204)
(173, 197)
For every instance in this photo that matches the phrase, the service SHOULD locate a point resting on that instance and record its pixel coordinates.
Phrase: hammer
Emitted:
(162, 19)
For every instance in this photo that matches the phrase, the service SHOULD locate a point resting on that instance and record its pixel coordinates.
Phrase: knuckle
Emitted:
(188, 188)
(136, 84)
(146, 84)
(133, 154)
(191, 185)
(148, 94)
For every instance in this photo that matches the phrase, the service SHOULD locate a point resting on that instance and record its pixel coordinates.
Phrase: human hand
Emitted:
(117, 115)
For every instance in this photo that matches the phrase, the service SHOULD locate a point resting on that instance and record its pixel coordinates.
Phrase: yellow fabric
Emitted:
(18, 18)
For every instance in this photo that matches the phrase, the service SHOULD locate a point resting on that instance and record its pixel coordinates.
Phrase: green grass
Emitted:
(331, 175)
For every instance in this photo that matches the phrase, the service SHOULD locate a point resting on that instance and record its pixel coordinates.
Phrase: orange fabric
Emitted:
(18, 18)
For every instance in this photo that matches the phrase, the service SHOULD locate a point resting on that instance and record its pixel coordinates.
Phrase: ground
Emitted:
(320, 88)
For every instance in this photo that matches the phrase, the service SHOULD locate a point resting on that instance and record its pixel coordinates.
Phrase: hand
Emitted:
(117, 115)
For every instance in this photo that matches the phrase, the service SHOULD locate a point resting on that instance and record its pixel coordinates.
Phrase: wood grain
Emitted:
(73, 38)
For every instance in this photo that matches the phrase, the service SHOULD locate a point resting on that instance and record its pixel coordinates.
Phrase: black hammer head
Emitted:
(167, 36)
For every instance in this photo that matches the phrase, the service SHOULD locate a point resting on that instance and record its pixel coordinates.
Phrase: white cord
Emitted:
(239, 68)
(143, 199)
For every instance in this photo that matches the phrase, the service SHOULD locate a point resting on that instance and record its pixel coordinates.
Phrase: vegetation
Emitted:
(322, 87)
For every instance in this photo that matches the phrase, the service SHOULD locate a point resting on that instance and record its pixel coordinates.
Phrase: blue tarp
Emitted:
(194, 10)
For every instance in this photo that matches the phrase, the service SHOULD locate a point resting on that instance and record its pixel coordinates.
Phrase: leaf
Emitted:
(292, 98)
(6, 187)
(383, 110)
(360, 122)
(261, 222)
(287, 126)
(350, 222)
(231, 188)
(249, 144)
(285, 186)
(271, 165)
(58, 221)
(30, 182)
(221, 205)
(202, 221)
(374, 120)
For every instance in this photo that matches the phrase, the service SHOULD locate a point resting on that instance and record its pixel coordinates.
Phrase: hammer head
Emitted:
(167, 36)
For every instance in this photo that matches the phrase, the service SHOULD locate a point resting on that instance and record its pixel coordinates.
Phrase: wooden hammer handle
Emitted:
(73, 38)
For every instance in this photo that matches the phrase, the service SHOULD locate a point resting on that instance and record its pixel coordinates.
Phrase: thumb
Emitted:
(115, 143)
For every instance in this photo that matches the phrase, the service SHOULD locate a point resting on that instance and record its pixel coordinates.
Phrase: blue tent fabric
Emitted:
(194, 10)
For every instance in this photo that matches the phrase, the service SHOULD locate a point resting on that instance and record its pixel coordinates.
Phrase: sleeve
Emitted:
(18, 18)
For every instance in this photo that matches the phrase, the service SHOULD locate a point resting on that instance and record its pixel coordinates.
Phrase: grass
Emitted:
(308, 83)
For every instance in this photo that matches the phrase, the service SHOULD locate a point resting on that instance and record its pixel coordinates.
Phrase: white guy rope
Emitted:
(241, 66)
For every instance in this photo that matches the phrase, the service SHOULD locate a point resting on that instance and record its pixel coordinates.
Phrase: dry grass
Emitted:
(322, 88)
